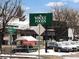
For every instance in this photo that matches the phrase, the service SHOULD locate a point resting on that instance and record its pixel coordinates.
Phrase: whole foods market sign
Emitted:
(40, 18)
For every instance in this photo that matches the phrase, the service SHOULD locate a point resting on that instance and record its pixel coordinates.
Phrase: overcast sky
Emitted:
(45, 5)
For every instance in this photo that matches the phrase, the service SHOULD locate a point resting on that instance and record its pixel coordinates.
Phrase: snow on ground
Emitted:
(49, 52)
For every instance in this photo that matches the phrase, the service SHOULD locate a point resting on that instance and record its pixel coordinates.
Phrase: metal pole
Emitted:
(10, 44)
(39, 44)
(11, 40)
(46, 38)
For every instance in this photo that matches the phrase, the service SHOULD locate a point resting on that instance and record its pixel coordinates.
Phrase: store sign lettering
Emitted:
(40, 19)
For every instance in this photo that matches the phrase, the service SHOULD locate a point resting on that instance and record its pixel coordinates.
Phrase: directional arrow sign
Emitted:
(39, 29)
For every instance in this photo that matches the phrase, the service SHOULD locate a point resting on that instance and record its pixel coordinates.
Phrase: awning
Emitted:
(28, 38)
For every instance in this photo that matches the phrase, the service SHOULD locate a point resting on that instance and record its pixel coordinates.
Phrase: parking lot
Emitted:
(64, 46)
(51, 54)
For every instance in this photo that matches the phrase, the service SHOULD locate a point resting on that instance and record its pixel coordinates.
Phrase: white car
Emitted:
(66, 46)
(77, 45)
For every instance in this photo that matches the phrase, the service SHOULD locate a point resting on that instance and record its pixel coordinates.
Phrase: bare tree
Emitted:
(8, 10)
(20, 13)
(67, 15)
(70, 16)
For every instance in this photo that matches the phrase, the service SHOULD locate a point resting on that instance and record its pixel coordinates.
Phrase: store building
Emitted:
(57, 31)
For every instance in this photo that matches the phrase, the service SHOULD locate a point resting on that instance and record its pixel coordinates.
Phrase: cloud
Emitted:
(74, 1)
(25, 7)
(54, 4)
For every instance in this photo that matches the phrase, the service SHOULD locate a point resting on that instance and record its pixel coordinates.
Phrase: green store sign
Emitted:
(11, 29)
(40, 18)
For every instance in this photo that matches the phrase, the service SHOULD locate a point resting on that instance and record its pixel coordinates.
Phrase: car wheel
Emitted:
(56, 49)
(59, 50)
(13, 51)
(74, 49)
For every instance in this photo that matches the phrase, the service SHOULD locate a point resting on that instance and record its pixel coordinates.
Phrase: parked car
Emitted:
(51, 45)
(63, 47)
(21, 48)
(66, 46)
(77, 45)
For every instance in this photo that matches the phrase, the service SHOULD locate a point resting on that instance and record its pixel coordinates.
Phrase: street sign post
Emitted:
(40, 19)
(11, 30)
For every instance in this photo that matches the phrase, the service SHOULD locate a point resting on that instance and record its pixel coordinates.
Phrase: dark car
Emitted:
(52, 45)
(22, 48)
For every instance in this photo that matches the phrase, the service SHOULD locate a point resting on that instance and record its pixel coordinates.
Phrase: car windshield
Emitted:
(73, 43)
(50, 43)
(63, 43)
(20, 46)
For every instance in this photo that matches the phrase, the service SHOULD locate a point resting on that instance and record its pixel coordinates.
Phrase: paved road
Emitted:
(18, 58)
(70, 57)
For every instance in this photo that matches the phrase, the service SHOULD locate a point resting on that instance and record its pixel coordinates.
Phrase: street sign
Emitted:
(11, 30)
(44, 19)
(39, 29)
